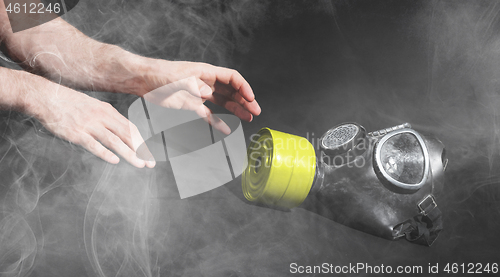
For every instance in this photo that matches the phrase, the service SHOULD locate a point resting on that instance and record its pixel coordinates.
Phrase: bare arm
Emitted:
(61, 53)
(13, 90)
(69, 114)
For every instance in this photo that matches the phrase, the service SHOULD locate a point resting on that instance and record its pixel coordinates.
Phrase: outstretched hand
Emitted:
(55, 51)
(95, 125)
(221, 86)
(99, 128)
(102, 130)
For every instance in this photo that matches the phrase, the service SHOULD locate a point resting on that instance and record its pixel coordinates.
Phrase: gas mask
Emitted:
(382, 182)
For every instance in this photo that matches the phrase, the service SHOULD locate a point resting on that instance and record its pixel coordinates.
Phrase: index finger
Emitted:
(233, 78)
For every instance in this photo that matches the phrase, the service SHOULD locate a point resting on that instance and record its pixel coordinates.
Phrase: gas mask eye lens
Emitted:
(403, 158)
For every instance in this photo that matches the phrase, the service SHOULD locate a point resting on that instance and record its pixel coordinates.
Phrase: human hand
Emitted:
(222, 86)
(86, 121)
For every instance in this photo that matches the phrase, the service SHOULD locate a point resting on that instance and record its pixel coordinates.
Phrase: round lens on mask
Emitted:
(402, 159)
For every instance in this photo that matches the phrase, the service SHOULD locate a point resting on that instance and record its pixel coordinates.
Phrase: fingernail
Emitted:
(140, 163)
(205, 90)
(259, 110)
(150, 164)
(114, 159)
(226, 130)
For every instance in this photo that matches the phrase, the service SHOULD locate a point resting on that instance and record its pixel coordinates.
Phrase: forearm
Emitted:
(25, 92)
(13, 89)
(73, 116)
(58, 51)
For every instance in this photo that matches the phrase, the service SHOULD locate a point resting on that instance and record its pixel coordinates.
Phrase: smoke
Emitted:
(62, 206)
(206, 31)
(27, 177)
(119, 220)
(61, 203)
(434, 64)
(464, 93)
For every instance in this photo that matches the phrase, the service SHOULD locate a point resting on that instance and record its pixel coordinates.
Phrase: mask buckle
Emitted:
(427, 204)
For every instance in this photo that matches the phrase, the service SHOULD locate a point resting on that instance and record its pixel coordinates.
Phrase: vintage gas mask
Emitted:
(380, 182)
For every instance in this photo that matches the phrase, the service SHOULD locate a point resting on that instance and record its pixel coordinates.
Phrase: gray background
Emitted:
(312, 65)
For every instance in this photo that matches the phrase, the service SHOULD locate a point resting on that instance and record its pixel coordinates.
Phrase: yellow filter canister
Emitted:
(281, 169)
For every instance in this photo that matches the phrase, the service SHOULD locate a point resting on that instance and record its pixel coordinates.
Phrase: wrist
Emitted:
(124, 72)
(12, 91)
(29, 90)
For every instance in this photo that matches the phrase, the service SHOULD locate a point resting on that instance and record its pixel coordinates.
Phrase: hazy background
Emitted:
(312, 65)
